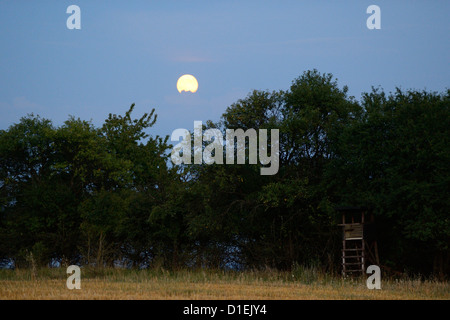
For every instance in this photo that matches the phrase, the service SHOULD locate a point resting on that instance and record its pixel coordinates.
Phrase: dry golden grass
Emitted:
(216, 285)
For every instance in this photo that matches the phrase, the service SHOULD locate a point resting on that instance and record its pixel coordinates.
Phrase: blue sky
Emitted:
(134, 51)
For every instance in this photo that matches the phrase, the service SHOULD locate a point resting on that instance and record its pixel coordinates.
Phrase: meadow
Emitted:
(160, 284)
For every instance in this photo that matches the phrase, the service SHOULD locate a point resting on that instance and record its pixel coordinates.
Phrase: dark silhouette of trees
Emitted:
(109, 195)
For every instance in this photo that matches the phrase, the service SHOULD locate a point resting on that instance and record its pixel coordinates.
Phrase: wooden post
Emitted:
(363, 245)
(363, 257)
(344, 270)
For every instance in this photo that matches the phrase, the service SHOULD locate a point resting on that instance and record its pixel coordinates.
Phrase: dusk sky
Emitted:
(134, 51)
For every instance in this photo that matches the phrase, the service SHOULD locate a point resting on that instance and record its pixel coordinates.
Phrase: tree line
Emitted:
(110, 195)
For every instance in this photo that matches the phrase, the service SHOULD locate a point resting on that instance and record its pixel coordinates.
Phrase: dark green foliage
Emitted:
(395, 159)
(106, 195)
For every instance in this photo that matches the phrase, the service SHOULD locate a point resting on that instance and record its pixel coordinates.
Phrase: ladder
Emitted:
(353, 247)
(353, 256)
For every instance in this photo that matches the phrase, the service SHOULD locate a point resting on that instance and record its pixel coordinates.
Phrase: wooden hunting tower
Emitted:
(359, 246)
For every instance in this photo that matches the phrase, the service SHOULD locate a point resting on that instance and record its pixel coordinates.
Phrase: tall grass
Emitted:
(299, 283)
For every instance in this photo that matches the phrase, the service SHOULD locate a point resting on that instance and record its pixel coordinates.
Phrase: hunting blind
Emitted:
(359, 246)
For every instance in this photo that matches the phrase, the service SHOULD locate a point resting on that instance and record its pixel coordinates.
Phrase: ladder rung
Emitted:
(352, 264)
(357, 249)
(354, 270)
(352, 257)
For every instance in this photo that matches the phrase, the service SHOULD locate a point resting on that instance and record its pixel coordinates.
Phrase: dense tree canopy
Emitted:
(109, 195)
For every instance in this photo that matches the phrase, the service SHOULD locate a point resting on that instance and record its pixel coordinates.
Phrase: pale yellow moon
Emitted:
(187, 83)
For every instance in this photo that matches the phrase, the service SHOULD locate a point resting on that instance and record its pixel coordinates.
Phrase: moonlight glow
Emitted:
(186, 83)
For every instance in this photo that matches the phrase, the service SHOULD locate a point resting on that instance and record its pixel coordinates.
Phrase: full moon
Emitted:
(187, 83)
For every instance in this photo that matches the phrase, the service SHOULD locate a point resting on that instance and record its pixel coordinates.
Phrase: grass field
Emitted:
(302, 284)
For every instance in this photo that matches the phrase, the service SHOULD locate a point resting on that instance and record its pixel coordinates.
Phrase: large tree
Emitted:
(395, 160)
